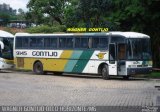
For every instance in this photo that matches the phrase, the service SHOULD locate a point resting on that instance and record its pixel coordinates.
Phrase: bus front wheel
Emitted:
(126, 77)
(105, 73)
(38, 68)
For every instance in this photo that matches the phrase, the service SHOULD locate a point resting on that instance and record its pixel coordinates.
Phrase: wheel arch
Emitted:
(100, 67)
(36, 62)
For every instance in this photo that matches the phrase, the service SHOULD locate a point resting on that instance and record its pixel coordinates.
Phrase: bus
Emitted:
(6, 50)
(107, 54)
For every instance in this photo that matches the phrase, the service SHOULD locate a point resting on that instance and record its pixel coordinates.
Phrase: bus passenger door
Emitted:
(112, 60)
(121, 59)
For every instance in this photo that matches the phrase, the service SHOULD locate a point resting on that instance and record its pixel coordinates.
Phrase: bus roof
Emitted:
(131, 34)
(125, 34)
(6, 34)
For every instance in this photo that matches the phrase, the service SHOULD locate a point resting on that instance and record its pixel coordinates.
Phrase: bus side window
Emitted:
(84, 42)
(62, 42)
(53, 42)
(25, 42)
(77, 42)
(39, 43)
(69, 42)
(95, 43)
(47, 43)
(33, 42)
(19, 42)
(100, 42)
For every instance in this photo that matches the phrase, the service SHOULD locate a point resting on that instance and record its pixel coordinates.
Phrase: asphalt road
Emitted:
(26, 88)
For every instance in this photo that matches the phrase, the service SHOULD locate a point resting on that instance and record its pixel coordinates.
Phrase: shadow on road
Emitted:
(5, 71)
(86, 76)
(91, 76)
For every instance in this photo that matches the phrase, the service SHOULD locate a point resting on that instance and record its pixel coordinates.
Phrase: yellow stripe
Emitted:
(58, 64)
(49, 64)
(66, 54)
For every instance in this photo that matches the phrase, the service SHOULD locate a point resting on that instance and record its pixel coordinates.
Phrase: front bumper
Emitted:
(134, 71)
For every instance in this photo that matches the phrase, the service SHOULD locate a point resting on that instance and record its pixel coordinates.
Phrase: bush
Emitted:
(46, 29)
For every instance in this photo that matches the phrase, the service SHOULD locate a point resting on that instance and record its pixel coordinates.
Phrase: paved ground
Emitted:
(25, 88)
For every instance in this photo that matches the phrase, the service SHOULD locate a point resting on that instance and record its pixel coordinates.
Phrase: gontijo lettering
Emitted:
(44, 53)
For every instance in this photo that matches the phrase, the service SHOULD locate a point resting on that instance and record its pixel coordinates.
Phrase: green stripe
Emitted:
(73, 60)
(76, 54)
(70, 65)
(83, 60)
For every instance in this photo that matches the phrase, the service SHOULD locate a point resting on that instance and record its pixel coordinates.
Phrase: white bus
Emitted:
(107, 54)
(6, 50)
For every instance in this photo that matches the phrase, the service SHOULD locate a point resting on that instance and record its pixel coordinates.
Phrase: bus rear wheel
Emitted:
(105, 74)
(38, 68)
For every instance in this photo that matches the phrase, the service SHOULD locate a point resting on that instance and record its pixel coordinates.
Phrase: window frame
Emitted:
(100, 37)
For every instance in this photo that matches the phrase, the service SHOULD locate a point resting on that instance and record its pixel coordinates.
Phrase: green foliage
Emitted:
(141, 16)
(46, 29)
(87, 13)
(154, 75)
(5, 17)
(54, 9)
(131, 15)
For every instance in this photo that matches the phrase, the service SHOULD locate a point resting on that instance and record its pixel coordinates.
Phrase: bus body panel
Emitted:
(76, 61)
(88, 59)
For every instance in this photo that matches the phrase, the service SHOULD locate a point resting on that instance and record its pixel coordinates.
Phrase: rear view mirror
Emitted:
(1, 45)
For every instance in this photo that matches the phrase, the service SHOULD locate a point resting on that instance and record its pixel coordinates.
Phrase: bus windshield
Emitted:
(139, 49)
(7, 52)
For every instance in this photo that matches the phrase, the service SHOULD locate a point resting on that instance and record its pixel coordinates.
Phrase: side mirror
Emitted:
(1, 45)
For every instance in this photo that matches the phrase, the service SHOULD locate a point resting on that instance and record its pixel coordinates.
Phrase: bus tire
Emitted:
(126, 77)
(58, 73)
(105, 74)
(38, 68)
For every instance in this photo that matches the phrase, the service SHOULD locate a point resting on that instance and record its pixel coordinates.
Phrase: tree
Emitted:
(48, 8)
(5, 18)
(21, 14)
(141, 16)
(88, 13)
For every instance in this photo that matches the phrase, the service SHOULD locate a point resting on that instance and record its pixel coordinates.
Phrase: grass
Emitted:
(154, 75)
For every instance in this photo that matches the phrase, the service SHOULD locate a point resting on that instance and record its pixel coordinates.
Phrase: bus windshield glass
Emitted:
(139, 49)
(7, 52)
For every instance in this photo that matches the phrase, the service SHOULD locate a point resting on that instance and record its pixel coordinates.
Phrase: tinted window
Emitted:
(22, 42)
(66, 42)
(69, 43)
(53, 42)
(18, 42)
(25, 42)
(33, 42)
(117, 39)
(84, 42)
(47, 43)
(39, 43)
(77, 42)
(62, 42)
(100, 42)
(81, 43)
